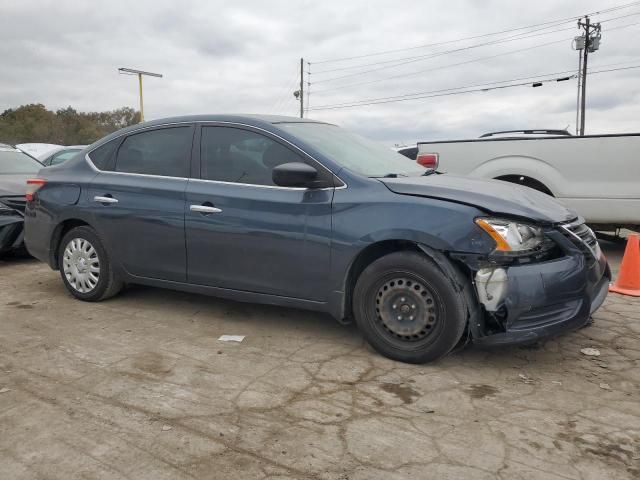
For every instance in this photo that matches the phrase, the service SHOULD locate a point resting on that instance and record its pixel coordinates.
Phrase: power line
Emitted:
(441, 67)
(404, 75)
(447, 42)
(617, 18)
(572, 72)
(519, 36)
(439, 54)
(407, 60)
(455, 88)
(329, 107)
(431, 55)
(465, 89)
(281, 103)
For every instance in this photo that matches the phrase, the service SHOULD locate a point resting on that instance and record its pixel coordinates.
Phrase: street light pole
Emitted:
(140, 73)
(141, 101)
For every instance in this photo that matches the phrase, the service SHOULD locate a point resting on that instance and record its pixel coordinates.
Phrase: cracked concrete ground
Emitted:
(139, 387)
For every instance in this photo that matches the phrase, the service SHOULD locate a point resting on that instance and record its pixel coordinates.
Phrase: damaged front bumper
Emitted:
(528, 302)
(11, 232)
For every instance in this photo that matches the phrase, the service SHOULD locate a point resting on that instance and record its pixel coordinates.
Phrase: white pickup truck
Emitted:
(596, 175)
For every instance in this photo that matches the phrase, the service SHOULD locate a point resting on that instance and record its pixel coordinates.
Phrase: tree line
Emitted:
(35, 124)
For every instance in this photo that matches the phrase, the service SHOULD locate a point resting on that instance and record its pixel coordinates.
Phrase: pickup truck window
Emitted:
(352, 151)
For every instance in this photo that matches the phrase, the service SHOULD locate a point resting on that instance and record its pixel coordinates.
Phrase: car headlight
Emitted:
(511, 236)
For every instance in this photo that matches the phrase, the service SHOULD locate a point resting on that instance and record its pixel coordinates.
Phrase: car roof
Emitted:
(231, 117)
(249, 119)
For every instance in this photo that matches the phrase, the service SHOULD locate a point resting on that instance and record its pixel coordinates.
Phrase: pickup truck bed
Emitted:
(596, 175)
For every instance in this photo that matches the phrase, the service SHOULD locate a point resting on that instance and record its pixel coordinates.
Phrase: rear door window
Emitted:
(162, 152)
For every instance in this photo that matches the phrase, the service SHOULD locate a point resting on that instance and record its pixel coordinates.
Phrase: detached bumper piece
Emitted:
(547, 298)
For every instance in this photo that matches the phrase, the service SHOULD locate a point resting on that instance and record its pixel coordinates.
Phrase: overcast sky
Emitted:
(243, 56)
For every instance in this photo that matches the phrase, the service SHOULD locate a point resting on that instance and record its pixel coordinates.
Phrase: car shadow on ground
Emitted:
(259, 319)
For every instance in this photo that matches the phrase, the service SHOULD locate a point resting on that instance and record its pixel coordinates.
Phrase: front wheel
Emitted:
(407, 309)
(85, 266)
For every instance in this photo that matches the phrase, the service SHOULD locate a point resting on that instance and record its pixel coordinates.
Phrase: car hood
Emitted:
(13, 185)
(493, 196)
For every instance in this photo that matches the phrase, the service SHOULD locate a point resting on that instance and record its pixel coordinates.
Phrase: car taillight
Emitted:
(33, 185)
(428, 160)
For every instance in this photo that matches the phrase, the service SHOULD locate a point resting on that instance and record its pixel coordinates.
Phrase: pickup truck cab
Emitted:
(596, 175)
(299, 213)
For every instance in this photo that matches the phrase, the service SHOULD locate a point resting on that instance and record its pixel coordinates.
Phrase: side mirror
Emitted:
(294, 174)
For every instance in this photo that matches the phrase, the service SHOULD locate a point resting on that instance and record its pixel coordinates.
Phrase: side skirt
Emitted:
(237, 295)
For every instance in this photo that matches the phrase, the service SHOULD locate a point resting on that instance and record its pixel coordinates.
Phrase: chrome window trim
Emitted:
(149, 127)
(277, 187)
(97, 170)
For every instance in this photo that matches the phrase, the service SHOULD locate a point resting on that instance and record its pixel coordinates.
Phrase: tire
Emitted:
(80, 253)
(408, 309)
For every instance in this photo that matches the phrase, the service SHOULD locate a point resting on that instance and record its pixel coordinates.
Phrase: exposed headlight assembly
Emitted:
(511, 236)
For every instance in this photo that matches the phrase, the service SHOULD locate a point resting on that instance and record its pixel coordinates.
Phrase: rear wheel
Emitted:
(407, 309)
(85, 266)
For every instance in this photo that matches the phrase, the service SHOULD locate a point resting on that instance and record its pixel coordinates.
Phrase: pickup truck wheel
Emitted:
(85, 267)
(407, 309)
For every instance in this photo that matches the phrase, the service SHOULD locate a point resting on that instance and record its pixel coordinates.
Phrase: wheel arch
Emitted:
(377, 250)
(526, 181)
(58, 233)
(536, 169)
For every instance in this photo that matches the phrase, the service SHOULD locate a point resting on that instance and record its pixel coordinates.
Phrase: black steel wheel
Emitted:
(408, 309)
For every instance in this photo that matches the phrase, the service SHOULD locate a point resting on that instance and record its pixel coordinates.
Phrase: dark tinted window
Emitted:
(101, 156)
(241, 156)
(411, 153)
(162, 152)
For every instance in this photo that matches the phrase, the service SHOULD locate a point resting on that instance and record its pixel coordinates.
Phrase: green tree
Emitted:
(33, 123)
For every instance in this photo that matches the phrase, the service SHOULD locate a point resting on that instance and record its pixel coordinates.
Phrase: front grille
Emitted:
(17, 202)
(581, 236)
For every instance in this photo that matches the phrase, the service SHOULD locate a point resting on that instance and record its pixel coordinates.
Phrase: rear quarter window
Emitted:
(101, 156)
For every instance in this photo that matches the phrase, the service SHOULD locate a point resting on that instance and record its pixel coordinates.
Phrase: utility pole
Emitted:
(140, 73)
(308, 86)
(588, 43)
(302, 88)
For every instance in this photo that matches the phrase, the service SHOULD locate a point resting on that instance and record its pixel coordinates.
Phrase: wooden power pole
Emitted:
(301, 88)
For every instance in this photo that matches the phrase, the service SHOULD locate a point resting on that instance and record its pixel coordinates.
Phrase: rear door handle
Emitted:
(204, 209)
(100, 199)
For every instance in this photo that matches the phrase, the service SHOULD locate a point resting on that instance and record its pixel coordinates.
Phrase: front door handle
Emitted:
(204, 209)
(100, 199)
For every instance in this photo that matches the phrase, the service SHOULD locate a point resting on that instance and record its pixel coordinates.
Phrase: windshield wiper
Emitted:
(430, 171)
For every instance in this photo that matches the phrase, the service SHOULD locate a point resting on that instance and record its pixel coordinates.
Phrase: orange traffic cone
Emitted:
(629, 277)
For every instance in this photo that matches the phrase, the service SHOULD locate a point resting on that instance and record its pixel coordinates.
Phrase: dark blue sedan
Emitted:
(299, 213)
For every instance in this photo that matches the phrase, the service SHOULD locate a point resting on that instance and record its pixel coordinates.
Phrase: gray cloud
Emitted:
(220, 56)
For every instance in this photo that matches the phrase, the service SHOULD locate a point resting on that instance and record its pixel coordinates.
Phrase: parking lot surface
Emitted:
(140, 387)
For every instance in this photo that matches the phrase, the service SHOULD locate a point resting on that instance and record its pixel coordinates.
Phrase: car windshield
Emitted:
(354, 152)
(15, 162)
